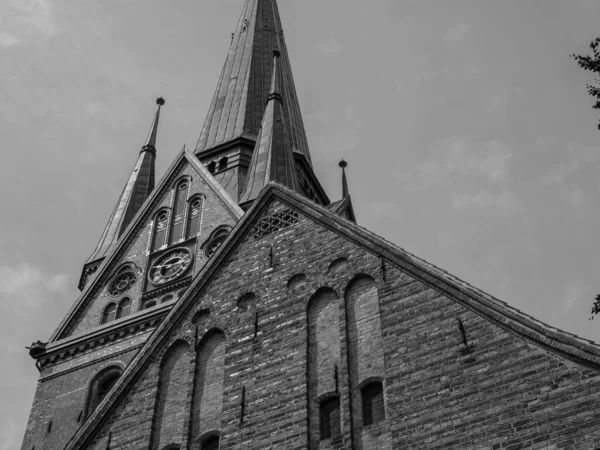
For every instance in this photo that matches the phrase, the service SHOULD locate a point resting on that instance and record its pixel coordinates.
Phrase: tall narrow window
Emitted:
(372, 402)
(212, 443)
(124, 308)
(173, 392)
(329, 415)
(109, 314)
(160, 230)
(195, 210)
(100, 386)
(210, 379)
(178, 212)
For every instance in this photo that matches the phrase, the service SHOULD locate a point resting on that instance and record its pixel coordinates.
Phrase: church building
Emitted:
(233, 305)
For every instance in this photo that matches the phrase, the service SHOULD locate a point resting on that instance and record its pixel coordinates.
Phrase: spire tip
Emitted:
(160, 101)
(343, 164)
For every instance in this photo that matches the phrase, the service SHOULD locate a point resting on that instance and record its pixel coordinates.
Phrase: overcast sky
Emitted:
(470, 137)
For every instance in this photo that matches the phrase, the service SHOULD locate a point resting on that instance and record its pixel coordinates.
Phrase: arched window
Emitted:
(372, 403)
(167, 298)
(160, 230)
(329, 415)
(178, 212)
(194, 213)
(215, 241)
(110, 313)
(124, 308)
(212, 443)
(223, 163)
(100, 386)
(148, 304)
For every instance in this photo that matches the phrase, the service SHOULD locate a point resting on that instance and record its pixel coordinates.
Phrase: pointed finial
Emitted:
(345, 192)
(151, 141)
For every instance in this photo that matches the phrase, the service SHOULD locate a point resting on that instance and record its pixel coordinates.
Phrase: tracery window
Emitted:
(177, 220)
(124, 308)
(160, 230)
(372, 403)
(194, 213)
(109, 314)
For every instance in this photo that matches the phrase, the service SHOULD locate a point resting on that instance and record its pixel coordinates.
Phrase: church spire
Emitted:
(345, 192)
(239, 102)
(151, 141)
(136, 191)
(272, 159)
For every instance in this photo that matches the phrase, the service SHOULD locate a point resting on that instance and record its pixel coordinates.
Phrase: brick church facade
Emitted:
(233, 305)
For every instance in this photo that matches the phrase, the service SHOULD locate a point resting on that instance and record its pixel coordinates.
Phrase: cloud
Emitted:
(24, 289)
(503, 202)
(330, 47)
(577, 158)
(7, 40)
(457, 33)
(459, 156)
(20, 19)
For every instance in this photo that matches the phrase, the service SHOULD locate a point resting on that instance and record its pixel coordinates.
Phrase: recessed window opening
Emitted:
(110, 313)
(223, 163)
(124, 308)
(167, 298)
(149, 304)
(211, 166)
(160, 231)
(212, 443)
(329, 415)
(194, 213)
(373, 403)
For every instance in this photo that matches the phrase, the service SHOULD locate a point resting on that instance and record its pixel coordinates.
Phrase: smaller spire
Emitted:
(272, 159)
(345, 192)
(151, 141)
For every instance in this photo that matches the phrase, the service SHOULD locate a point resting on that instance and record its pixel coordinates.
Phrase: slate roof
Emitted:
(238, 106)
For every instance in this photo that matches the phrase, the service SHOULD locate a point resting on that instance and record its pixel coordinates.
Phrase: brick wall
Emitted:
(498, 391)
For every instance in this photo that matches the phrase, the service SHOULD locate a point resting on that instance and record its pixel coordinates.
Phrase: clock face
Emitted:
(122, 283)
(170, 266)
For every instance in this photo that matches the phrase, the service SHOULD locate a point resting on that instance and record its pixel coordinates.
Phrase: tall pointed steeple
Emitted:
(136, 191)
(234, 119)
(272, 159)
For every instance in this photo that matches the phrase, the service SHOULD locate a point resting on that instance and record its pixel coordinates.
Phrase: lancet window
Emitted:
(160, 230)
(194, 214)
(178, 219)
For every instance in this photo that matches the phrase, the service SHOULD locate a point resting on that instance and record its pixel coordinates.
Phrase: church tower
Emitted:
(234, 306)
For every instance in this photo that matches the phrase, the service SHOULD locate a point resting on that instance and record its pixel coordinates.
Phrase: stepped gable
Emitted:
(240, 100)
(132, 232)
(491, 310)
